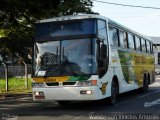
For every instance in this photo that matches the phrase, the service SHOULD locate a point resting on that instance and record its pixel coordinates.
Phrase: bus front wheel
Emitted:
(114, 92)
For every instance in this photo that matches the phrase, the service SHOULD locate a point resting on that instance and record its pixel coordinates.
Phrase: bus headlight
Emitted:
(86, 92)
(84, 83)
(39, 95)
(36, 85)
(87, 83)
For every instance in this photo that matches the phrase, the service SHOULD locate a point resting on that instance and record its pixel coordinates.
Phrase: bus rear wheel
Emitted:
(145, 84)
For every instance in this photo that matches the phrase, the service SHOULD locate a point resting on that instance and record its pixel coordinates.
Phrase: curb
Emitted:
(14, 96)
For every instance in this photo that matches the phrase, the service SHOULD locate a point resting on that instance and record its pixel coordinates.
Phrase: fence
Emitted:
(15, 71)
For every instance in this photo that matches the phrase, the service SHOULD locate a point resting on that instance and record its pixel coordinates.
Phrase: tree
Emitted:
(17, 18)
(70, 7)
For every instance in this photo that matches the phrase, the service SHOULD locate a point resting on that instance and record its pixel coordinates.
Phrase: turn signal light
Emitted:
(94, 82)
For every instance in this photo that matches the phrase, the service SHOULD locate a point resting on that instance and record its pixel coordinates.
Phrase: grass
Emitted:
(15, 85)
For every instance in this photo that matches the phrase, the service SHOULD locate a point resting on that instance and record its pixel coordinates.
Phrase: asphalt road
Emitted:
(130, 106)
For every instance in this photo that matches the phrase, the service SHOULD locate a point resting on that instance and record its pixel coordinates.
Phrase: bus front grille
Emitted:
(53, 84)
(61, 83)
(69, 83)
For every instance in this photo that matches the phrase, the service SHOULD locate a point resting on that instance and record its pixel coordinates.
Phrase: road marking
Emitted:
(156, 84)
(76, 118)
(148, 94)
(148, 104)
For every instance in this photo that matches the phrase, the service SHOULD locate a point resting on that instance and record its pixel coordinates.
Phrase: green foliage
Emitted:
(15, 85)
(70, 7)
(17, 18)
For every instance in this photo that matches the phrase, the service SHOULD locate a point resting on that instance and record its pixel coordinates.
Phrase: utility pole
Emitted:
(26, 74)
(2, 60)
(6, 75)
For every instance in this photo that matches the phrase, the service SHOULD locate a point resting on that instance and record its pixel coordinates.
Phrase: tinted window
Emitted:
(143, 44)
(113, 35)
(123, 39)
(130, 41)
(158, 58)
(102, 33)
(148, 46)
(65, 57)
(151, 47)
(65, 28)
(137, 43)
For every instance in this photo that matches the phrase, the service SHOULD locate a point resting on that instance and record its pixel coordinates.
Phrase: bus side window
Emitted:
(113, 35)
(123, 39)
(137, 43)
(143, 45)
(130, 41)
(151, 47)
(134, 40)
(148, 46)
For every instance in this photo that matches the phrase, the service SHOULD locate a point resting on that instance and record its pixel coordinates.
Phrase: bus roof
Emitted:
(72, 17)
(85, 16)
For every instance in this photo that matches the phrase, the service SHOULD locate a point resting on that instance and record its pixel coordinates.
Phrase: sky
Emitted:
(142, 20)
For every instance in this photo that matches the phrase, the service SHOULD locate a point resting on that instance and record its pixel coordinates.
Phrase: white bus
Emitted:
(88, 57)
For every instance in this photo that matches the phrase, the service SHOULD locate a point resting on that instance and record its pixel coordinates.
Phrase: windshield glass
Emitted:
(65, 57)
(65, 28)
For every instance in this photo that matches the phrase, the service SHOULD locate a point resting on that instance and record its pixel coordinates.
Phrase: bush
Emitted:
(15, 85)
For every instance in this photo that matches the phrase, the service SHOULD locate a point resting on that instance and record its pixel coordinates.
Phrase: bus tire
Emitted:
(145, 84)
(62, 103)
(114, 92)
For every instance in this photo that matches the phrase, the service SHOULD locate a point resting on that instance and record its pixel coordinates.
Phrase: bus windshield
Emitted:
(65, 28)
(65, 57)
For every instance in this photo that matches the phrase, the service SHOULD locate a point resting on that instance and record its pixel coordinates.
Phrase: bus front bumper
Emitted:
(67, 93)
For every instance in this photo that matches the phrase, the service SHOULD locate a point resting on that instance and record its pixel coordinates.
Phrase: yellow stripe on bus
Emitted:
(51, 79)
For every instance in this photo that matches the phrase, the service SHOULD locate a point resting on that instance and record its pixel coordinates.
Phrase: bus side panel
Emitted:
(121, 68)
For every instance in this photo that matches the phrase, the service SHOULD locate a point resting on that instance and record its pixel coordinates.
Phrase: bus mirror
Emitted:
(100, 63)
(103, 51)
